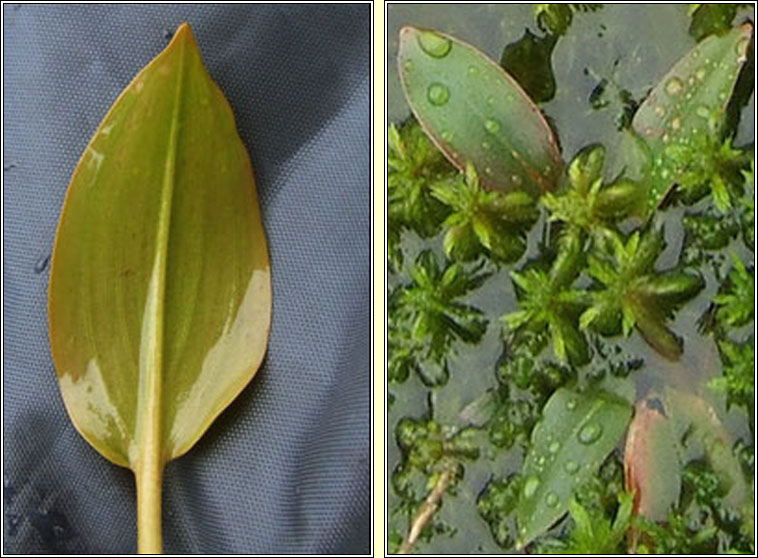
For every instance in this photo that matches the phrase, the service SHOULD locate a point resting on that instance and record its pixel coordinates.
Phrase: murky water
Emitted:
(630, 47)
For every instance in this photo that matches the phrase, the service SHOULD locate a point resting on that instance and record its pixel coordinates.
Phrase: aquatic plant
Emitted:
(597, 273)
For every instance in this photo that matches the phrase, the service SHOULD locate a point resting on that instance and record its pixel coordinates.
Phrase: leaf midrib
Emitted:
(148, 427)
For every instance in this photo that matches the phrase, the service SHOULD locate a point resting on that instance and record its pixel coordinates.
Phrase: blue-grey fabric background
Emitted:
(286, 467)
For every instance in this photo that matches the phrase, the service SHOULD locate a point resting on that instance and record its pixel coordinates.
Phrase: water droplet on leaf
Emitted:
(530, 486)
(433, 44)
(492, 126)
(551, 499)
(571, 467)
(674, 86)
(571, 404)
(473, 71)
(590, 433)
(554, 447)
(438, 94)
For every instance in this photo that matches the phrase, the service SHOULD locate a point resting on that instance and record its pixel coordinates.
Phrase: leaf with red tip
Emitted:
(475, 112)
(651, 461)
(689, 101)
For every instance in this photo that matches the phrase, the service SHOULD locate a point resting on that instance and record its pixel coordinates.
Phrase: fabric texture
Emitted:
(286, 467)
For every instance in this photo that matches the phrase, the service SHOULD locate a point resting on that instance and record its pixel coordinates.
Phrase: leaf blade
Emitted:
(160, 267)
(696, 89)
(651, 462)
(581, 428)
(475, 112)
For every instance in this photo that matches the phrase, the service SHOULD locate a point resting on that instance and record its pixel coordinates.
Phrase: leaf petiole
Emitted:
(149, 478)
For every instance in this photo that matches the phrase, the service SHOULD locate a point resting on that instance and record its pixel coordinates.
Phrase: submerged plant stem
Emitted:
(426, 511)
(149, 480)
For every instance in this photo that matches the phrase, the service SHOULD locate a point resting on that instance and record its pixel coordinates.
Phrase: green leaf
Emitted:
(496, 503)
(160, 295)
(484, 222)
(576, 433)
(651, 323)
(711, 18)
(553, 18)
(414, 167)
(593, 532)
(428, 307)
(672, 287)
(651, 462)
(688, 103)
(633, 294)
(738, 379)
(736, 303)
(475, 112)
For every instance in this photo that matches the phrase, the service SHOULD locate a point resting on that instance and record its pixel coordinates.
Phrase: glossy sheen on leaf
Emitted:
(696, 90)
(651, 463)
(160, 295)
(475, 112)
(575, 435)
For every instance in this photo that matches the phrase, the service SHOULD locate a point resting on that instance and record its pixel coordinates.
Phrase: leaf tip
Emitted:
(407, 32)
(184, 33)
(747, 27)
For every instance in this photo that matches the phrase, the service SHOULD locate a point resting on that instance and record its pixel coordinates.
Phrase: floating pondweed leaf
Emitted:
(588, 425)
(651, 462)
(688, 102)
(476, 113)
(160, 296)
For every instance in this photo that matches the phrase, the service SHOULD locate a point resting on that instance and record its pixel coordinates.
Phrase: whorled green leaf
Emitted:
(593, 533)
(651, 462)
(160, 294)
(575, 435)
(483, 221)
(687, 103)
(634, 294)
(475, 112)
(584, 202)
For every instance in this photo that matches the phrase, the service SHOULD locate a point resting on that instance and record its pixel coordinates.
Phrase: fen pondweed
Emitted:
(160, 292)
(596, 273)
